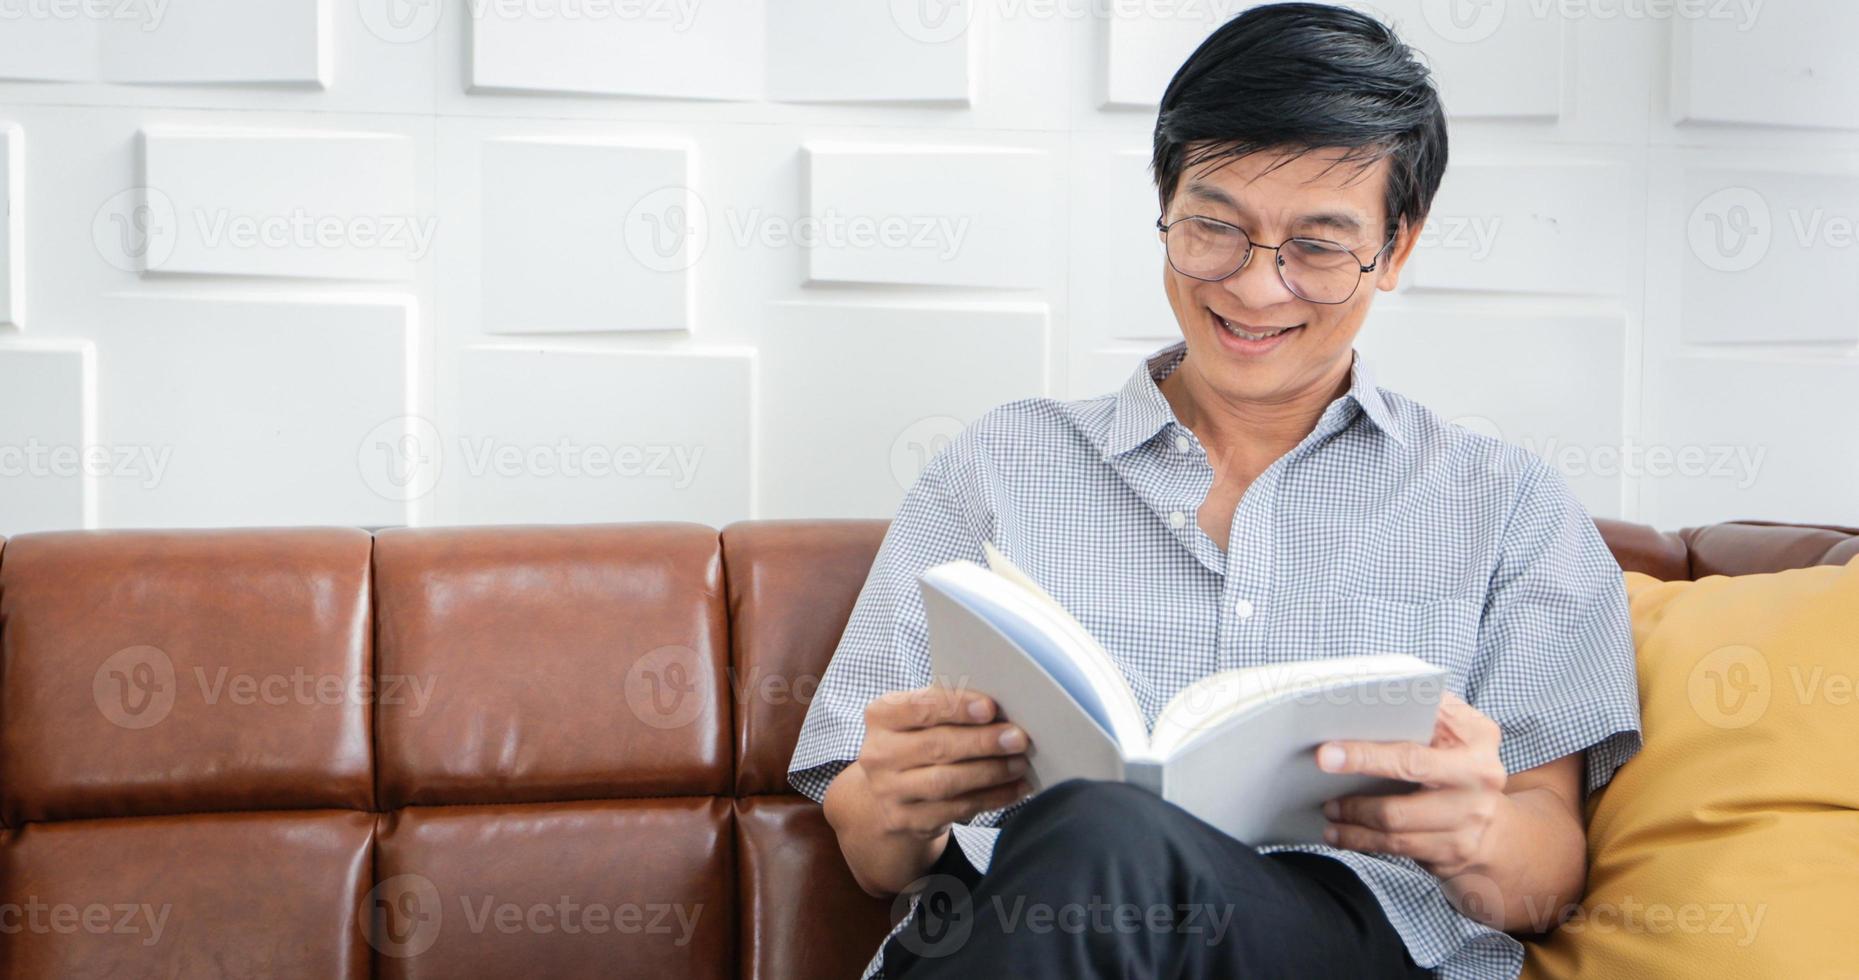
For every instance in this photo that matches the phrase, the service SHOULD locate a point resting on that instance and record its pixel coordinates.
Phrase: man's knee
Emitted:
(1108, 826)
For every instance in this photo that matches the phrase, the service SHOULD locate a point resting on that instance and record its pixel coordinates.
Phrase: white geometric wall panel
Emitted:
(261, 410)
(863, 51)
(54, 49)
(930, 215)
(300, 203)
(849, 442)
(1770, 439)
(1117, 258)
(1141, 54)
(167, 41)
(45, 482)
(1499, 58)
(1566, 228)
(1792, 66)
(219, 41)
(707, 50)
(811, 236)
(12, 226)
(1769, 257)
(585, 237)
(1554, 384)
(570, 436)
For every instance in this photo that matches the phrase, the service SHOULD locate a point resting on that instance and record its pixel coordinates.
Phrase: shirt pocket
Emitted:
(1443, 632)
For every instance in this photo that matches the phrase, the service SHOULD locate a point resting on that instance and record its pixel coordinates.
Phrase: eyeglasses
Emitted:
(1314, 270)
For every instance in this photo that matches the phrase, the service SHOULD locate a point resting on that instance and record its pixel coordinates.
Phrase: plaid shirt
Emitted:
(1385, 530)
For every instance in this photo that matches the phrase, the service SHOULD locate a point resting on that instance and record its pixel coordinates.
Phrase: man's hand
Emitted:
(931, 757)
(1507, 848)
(1442, 825)
(936, 756)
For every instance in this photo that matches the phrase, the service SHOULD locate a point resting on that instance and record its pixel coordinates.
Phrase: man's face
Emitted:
(1309, 197)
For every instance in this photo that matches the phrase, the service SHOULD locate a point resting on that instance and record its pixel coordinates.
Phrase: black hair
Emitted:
(1297, 77)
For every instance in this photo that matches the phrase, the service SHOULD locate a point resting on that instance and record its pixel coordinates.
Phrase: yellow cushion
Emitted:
(1729, 847)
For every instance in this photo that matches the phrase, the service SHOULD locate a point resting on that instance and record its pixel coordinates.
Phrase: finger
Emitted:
(929, 706)
(1465, 723)
(1407, 761)
(966, 806)
(1422, 846)
(931, 784)
(1408, 812)
(956, 743)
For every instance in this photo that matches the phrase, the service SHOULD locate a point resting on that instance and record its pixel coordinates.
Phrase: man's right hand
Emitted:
(931, 757)
(936, 756)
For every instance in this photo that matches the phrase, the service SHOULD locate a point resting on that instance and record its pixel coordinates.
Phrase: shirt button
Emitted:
(1181, 444)
(1243, 609)
(1177, 520)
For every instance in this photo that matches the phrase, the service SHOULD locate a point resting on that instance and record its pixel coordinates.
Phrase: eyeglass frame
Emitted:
(1246, 259)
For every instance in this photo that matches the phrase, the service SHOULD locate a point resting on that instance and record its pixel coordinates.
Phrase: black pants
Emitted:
(1105, 880)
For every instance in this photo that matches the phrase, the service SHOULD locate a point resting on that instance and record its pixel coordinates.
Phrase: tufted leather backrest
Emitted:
(557, 751)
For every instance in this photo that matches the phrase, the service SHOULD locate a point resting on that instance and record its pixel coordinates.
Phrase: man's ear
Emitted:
(1406, 236)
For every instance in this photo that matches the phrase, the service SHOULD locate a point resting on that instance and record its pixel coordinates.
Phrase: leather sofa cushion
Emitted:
(151, 672)
(566, 662)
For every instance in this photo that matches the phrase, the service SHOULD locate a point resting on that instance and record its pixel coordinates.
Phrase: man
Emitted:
(1248, 497)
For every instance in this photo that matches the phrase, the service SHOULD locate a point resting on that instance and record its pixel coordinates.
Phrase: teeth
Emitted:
(1237, 332)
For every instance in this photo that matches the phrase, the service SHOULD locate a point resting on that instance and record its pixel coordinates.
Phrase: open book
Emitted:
(1236, 748)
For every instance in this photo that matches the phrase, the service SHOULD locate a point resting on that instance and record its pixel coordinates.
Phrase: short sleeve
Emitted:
(886, 643)
(1555, 666)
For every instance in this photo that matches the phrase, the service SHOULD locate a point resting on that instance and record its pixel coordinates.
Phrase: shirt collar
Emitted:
(1141, 411)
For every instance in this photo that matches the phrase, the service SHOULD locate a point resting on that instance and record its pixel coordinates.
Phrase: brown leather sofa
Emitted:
(546, 751)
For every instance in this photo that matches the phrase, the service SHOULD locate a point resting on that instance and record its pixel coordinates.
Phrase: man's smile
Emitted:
(1250, 339)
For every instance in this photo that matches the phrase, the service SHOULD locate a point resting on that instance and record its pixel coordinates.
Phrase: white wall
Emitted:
(391, 261)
